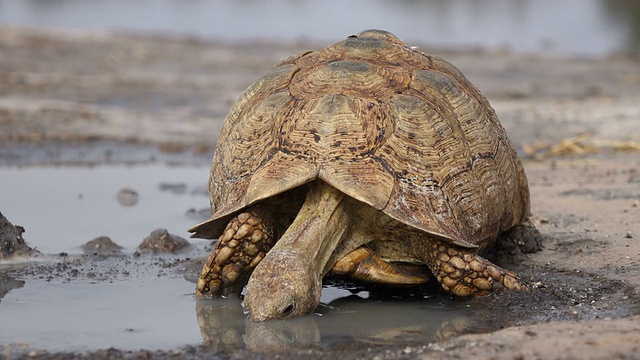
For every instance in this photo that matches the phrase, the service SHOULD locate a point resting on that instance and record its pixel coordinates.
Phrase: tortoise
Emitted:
(354, 160)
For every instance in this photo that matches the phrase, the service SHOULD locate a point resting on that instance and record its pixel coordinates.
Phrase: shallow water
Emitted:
(154, 313)
(151, 312)
(64, 207)
(578, 27)
(81, 302)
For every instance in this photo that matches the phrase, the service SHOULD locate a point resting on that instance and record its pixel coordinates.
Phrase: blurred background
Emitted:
(590, 28)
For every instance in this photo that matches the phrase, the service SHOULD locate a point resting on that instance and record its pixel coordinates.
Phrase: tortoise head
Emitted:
(283, 285)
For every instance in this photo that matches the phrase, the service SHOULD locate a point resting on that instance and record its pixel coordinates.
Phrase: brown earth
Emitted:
(60, 90)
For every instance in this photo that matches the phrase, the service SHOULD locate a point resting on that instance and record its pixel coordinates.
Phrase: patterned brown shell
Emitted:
(401, 131)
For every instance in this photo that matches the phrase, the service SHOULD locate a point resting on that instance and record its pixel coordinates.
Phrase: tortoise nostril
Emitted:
(288, 310)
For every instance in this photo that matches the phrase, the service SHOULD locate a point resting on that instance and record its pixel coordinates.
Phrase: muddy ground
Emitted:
(68, 97)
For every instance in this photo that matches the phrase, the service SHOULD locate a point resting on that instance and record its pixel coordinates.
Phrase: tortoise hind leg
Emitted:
(525, 237)
(244, 242)
(365, 265)
(465, 273)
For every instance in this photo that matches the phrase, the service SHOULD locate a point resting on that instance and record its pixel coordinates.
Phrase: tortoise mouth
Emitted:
(282, 286)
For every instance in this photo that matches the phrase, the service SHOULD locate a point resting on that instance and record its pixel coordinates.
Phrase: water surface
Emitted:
(75, 302)
(576, 27)
(64, 207)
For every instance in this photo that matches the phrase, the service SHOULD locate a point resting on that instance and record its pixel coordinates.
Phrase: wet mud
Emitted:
(99, 104)
(12, 243)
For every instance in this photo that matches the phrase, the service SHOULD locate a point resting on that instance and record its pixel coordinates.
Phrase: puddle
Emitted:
(348, 320)
(62, 208)
(144, 310)
(80, 316)
(76, 302)
(64, 300)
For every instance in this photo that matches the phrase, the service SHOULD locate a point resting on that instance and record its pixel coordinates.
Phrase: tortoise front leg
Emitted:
(463, 272)
(243, 244)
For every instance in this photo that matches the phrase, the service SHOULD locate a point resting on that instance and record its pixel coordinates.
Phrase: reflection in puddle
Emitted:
(348, 319)
(93, 302)
(8, 283)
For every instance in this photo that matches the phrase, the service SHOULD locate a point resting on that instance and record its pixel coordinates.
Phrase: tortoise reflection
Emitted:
(380, 318)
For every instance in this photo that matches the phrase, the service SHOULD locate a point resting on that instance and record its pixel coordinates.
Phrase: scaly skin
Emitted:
(365, 265)
(464, 273)
(243, 244)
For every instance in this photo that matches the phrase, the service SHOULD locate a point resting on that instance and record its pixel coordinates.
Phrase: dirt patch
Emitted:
(98, 98)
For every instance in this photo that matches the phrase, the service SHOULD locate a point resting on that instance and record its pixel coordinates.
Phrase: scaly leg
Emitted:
(243, 244)
(465, 273)
(365, 265)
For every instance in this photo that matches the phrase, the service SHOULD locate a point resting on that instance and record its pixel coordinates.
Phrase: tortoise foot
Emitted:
(465, 273)
(243, 244)
(524, 237)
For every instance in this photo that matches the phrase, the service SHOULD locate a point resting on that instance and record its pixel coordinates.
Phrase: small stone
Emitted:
(101, 245)
(629, 235)
(127, 197)
(160, 241)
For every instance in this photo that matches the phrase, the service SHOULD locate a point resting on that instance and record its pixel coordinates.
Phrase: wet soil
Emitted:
(94, 99)
(12, 243)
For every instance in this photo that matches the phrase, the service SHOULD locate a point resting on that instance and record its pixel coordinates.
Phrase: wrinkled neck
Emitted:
(318, 228)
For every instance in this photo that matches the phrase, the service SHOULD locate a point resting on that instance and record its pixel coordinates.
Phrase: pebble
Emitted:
(101, 245)
(127, 197)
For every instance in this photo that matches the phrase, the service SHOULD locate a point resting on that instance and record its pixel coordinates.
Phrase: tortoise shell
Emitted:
(401, 131)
